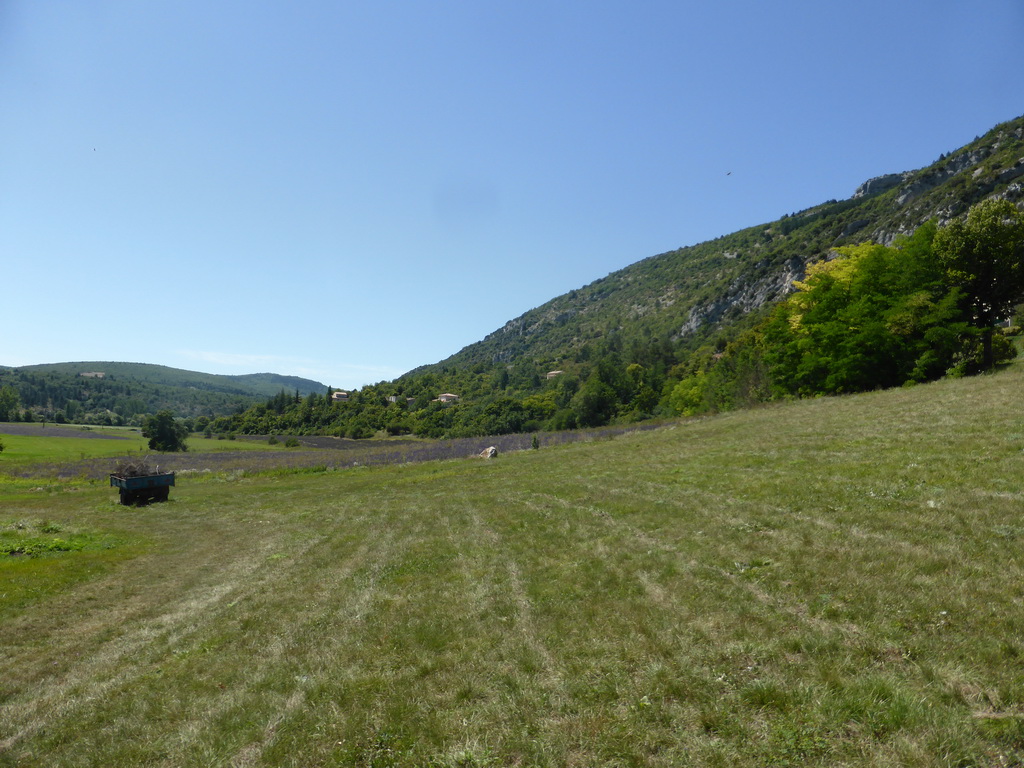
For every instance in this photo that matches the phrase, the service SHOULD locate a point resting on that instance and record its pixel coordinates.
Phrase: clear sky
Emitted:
(347, 190)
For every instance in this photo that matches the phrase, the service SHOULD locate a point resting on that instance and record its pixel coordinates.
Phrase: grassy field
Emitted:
(22, 450)
(828, 582)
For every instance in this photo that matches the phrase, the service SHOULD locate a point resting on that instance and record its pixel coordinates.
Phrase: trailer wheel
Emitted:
(162, 493)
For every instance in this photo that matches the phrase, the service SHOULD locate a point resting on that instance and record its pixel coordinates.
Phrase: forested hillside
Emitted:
(122, 393)
(705, 327)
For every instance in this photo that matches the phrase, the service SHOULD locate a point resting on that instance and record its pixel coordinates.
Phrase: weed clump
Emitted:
(17, 538)
(35, 546)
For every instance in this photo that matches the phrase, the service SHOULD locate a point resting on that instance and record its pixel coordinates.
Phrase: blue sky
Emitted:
(345, 191)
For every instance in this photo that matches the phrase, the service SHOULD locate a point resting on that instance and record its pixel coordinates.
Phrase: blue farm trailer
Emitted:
(144, 489)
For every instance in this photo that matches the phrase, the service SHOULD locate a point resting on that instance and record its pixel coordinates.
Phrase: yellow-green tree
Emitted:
(874, 317)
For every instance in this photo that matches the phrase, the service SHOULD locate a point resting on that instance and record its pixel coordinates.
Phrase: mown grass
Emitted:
(22, 450)
(199, 444)
(829, 582)
(25, 450)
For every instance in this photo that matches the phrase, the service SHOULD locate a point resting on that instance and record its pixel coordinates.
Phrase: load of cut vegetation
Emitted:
(134, 468)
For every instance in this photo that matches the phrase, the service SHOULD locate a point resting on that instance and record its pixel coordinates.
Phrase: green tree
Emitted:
(542, 405)
(687, 397)
(359, 429)
(983, 254)
(9, 403)
(876, 317)
(503, 416)
(595, 404)
(164, 433)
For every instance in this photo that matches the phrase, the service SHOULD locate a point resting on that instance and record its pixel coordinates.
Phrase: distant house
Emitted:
(392, 398)
(552, 374)
(447, 397)
(339, 397)
(92, 374)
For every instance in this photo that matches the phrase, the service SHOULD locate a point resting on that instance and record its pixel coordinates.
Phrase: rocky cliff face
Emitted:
(745, 295)
(880, 184)
(929, 179)
(989, 167)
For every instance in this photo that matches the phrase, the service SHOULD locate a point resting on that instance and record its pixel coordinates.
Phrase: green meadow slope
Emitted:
(826, 582)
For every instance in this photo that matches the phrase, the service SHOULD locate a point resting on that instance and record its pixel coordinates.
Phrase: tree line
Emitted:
(873, 316)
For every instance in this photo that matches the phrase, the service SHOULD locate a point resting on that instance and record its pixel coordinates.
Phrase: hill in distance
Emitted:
(130, 389)
(255, 384)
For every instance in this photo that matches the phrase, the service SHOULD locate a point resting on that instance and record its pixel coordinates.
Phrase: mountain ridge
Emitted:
(263, 383)
(688, 295)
